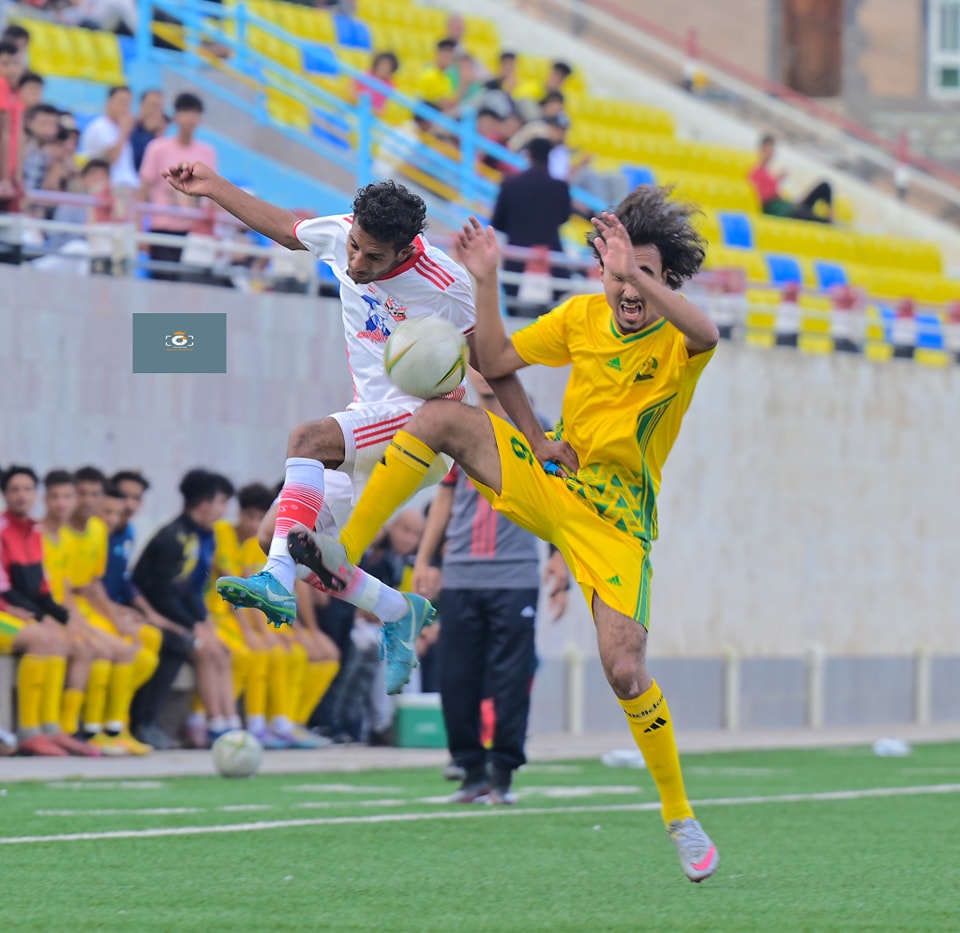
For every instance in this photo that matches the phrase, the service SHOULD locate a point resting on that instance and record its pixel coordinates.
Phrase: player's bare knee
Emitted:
(318, 440)
(625, 675)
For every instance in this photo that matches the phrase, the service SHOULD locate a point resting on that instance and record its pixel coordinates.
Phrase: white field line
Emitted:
(483, 813)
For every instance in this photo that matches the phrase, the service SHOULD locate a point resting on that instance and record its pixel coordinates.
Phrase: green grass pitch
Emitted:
(830, 840)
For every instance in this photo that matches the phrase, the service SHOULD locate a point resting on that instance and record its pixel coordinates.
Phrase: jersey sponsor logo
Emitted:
(647, 369)
(614, 363)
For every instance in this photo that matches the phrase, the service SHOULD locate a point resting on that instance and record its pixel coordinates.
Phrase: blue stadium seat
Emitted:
(829, 274)
(637, 175)
(736, 229)
(929, 332)
(128, 51)
(319, 59)
(351, 32)
(783, 269)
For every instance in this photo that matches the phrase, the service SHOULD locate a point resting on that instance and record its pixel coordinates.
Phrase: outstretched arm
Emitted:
(497, 360)
(617, 253)
(199, 180)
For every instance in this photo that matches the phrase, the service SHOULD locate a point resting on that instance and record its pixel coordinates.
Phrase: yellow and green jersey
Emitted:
(623, 404)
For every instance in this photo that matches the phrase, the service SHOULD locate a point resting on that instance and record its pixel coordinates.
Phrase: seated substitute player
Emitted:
(637, 352)
(388, 273)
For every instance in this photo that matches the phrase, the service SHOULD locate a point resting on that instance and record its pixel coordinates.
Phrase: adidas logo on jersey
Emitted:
(614, 581)
(614, 363)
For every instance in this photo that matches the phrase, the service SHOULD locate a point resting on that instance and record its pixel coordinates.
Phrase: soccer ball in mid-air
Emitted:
(426, 357)
(237, 753)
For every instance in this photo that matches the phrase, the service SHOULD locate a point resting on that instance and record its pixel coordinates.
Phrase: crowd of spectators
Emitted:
(76, 584)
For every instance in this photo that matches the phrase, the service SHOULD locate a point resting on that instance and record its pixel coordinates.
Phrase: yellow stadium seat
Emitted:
(480, 29)
(287, 110)
(751, 262)
(108, 62)
(355, 58)
(760, 317)
(816, 324)
(49, 54)
(382, 11)
(936, 358)
(430, 22)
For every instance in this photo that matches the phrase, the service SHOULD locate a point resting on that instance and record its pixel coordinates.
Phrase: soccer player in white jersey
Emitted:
(388, 273)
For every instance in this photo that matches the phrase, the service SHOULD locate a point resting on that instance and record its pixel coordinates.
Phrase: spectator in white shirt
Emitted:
(108, 137)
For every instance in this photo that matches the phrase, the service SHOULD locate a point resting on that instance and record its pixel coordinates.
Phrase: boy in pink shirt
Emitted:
(159, 155)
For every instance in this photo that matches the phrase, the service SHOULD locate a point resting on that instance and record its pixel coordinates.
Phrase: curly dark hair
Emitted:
(390, 213)
(653, 218)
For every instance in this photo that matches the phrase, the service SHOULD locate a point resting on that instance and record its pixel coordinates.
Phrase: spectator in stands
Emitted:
(166, 574)
(162, 153)
(767, 186)
(20, 37)
(383, 67)
(63, 170)
(11, 129)
(551, 114)
(119, 16)
(151, 123)
(491, 584)
(108, 137)
(497, 93)
(30, 89)
(506, 76)
(530, 209)
(577, 169)
(490, 127)
(530, 93)
(32, 625)
(437, 82)
(466, 79)
(42, 128)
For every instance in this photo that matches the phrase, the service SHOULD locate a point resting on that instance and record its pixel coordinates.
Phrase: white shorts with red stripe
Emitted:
(367, 431)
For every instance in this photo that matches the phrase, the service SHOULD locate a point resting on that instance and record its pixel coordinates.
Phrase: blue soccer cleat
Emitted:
(262, 591)
(400, 640)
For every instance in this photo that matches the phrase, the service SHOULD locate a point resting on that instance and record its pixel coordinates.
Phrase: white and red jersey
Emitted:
(428, 283)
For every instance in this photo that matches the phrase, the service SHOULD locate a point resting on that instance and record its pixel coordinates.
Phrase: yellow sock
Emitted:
(239, 667)
(31, 676)
(196, 705)
(296, 671)
(316, 683)
(53, 693)
(119, 695)
(277, 691)
(145, 662)
(652, 728)
(150, 637)
(95, 701)
(70, 711)
(255, 697)
(391, 483)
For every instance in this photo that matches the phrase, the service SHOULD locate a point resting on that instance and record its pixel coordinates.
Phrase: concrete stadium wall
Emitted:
(808, 500)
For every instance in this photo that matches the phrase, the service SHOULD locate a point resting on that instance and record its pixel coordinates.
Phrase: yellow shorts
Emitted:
(10, 628)
(229, 631)
(100, 622)
(603, 560)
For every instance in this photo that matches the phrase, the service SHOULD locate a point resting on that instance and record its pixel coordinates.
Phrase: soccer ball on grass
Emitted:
(426, 357)
(237, 753)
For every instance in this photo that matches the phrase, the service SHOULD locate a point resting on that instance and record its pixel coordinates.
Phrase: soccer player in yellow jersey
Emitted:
(636, 353)
(133, 645)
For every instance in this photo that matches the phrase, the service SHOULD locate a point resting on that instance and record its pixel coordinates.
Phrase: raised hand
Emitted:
(614, 246)
(193, 178)
(476, 247)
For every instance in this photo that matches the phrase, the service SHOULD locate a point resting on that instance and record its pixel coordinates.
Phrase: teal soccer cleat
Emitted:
(400, 640)
(261, 591)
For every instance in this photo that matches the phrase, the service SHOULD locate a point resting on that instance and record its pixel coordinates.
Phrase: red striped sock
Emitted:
(300, 502)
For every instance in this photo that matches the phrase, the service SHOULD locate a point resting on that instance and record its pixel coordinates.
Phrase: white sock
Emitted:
(257, 722)
(365, 591)
(234, 722)
(196, 719)
(280, 725)
(217, 723)
(300, 502)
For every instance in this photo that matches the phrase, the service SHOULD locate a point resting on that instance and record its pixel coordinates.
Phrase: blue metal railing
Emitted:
(358, 135)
